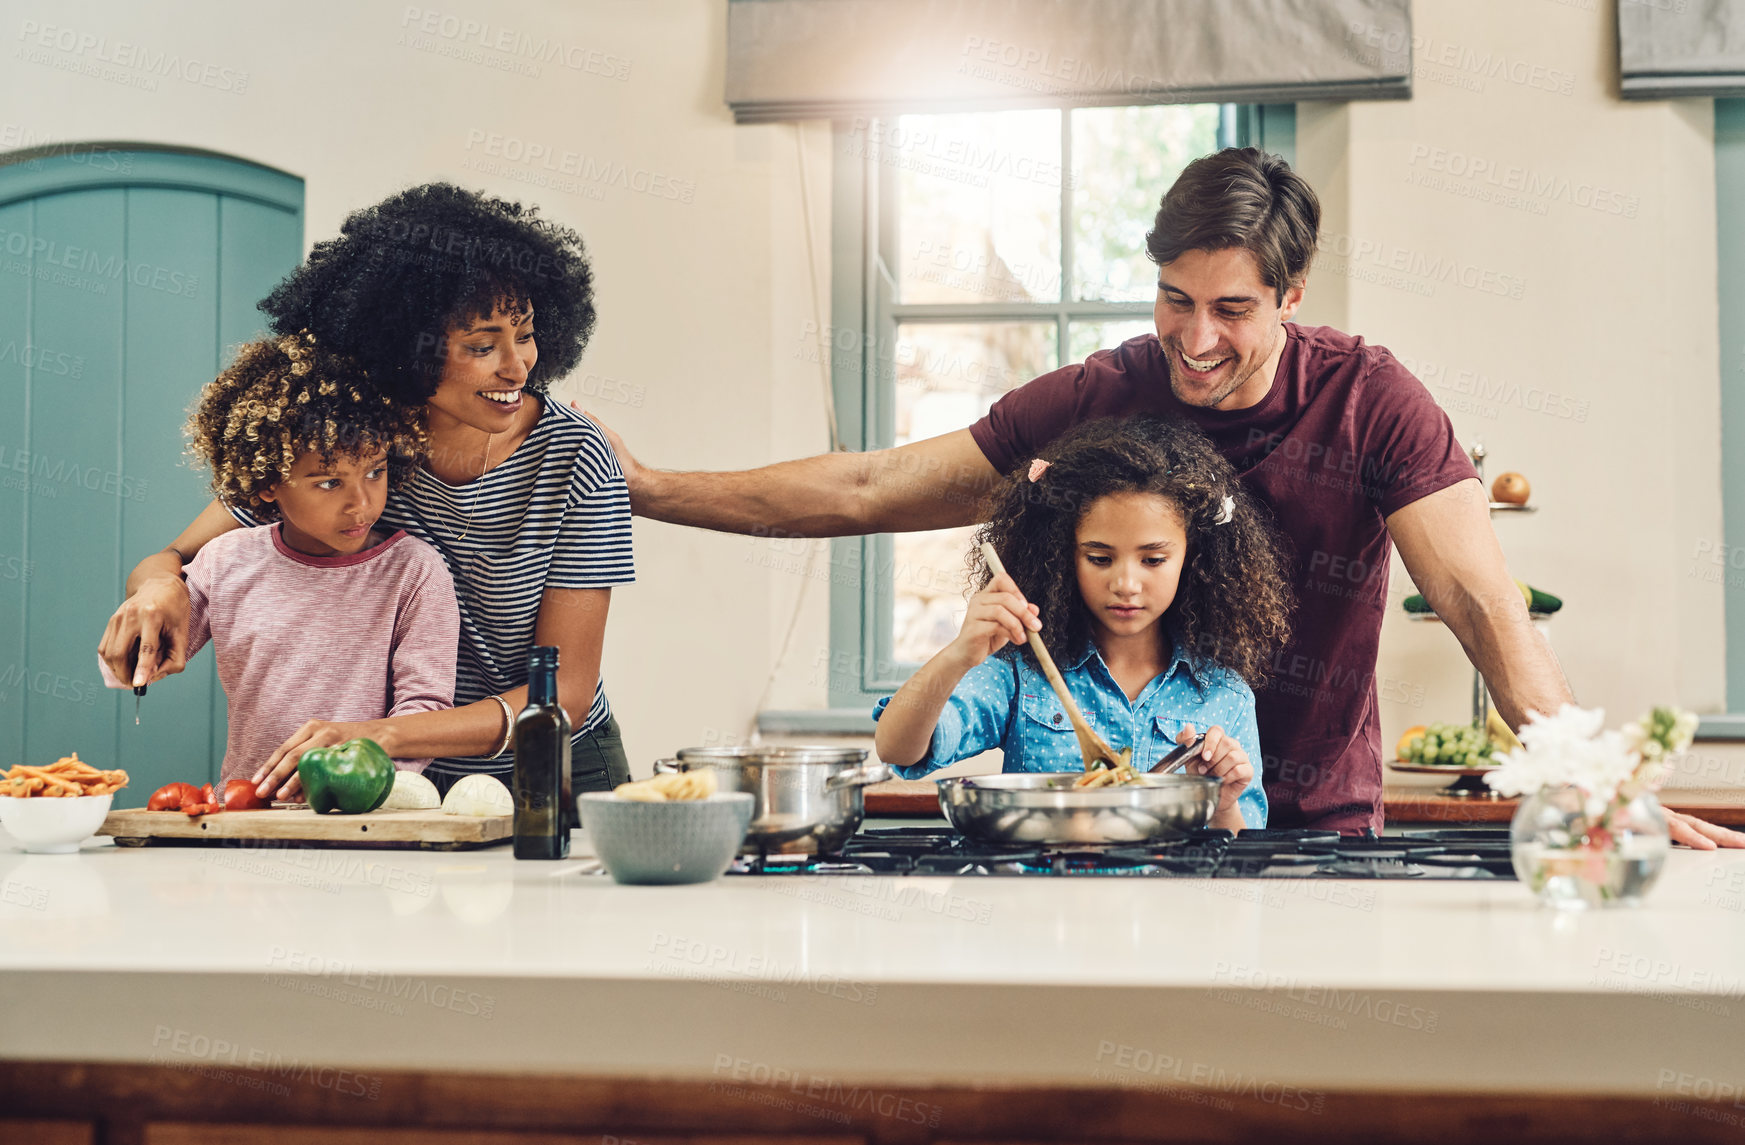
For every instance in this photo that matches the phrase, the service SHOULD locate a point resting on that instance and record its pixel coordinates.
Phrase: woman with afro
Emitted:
(464, 308)
(1161, 584)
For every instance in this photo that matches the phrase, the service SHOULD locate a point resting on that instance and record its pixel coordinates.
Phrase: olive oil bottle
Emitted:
(544, 805)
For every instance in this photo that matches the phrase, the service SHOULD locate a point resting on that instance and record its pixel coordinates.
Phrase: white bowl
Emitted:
(48, 825)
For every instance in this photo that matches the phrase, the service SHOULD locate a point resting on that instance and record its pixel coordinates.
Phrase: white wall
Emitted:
(705, 304)
(1602, 213)
(702, 303)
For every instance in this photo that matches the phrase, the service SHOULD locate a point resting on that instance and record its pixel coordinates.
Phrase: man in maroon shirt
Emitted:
(1348, 448)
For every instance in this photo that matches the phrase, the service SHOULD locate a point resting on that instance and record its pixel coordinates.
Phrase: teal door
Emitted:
(126, 279)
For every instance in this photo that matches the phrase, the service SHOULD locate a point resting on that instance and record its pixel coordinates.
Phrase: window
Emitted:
(972, 253)
(1730, 239)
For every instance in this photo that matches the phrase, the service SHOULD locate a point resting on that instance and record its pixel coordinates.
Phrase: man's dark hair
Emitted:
(1241, 197)
(401, 273)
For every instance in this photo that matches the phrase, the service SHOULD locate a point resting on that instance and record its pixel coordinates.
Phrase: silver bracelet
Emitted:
(508, 727)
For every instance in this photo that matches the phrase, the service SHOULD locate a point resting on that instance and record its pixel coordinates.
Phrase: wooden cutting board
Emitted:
(427, 830)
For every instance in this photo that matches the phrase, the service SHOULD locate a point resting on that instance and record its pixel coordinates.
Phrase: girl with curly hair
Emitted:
(438, 292)
(1161, 583)
(322, 611)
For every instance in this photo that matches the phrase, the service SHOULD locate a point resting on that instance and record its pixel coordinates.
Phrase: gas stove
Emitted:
(1467, 853)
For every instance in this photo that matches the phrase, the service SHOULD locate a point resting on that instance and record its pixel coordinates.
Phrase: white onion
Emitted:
(411, 792)
(479, 795)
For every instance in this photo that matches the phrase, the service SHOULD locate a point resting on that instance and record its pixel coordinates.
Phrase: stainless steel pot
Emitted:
(809, 799)
(1044, 807)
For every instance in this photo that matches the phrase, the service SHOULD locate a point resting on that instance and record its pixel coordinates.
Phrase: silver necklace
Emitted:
(478, 490)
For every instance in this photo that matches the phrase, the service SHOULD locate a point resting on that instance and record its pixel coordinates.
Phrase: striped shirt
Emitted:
(556, 514)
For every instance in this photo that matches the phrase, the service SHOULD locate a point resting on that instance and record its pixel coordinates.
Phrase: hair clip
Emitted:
(1226, 511)
(1037, 469)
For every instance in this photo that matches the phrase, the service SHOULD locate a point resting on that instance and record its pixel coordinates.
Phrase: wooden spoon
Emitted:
(1091, 745)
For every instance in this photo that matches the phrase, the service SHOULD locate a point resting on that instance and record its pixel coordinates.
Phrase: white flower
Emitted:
(1656, 738)
(1567, 749)
(1684, 730)
(1664, 729)
(1640, 741)
(1570, 725)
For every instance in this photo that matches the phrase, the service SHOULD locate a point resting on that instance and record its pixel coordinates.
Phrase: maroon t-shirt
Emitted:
(1345, 437)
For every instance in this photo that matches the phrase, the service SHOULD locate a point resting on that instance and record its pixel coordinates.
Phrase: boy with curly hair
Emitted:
(320, 615)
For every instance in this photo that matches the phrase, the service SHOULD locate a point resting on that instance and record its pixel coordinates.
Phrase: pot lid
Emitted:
(774, 754)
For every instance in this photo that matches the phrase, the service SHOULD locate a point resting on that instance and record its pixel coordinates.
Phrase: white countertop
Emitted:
(472, 960)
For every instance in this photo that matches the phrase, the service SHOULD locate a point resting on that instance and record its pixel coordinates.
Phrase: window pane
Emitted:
(978, 206)
(1087, 338)
(947, 376)
(1124, 159)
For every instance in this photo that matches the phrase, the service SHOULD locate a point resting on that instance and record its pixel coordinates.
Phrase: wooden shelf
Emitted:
(1432, 618)
(1722, 805)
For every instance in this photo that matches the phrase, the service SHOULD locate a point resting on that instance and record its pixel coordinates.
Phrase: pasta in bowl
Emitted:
(672, 829)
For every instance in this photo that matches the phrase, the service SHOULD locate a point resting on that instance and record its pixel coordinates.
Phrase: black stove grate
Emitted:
(1466, 853)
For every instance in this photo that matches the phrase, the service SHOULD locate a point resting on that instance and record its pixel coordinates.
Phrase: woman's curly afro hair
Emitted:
(1233, 603)
(405, 271)
(284, 396)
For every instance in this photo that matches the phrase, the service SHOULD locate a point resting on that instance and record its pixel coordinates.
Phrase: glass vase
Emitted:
(1572, 861)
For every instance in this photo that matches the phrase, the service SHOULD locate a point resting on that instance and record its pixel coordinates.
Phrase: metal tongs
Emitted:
(1178, 758)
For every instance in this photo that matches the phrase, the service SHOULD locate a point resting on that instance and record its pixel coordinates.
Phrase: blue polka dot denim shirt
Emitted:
(1006, 703)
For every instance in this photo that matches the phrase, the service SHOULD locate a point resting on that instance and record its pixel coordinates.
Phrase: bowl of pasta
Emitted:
(52, 810)
(672, 829)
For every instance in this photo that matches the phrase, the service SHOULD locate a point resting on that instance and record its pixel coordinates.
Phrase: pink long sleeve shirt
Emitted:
(303, 638)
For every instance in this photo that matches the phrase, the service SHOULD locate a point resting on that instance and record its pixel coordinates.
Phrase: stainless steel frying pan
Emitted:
(1045, 807)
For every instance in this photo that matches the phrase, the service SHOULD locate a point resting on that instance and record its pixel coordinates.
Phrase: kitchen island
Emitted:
(300, 995)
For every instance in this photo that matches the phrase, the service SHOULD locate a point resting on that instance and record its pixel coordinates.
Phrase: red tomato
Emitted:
(173, 797)
(239, 796)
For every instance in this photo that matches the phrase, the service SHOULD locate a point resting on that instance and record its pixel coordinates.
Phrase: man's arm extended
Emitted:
(931, 484)
(1452, 552)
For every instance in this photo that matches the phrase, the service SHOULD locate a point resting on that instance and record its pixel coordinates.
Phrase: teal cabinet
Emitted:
(127, 278)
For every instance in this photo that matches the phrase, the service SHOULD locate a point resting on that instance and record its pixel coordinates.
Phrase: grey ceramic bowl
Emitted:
(685, 841)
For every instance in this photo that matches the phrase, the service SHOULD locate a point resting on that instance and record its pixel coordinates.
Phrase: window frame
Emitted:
(1730, 284)
(865, 314)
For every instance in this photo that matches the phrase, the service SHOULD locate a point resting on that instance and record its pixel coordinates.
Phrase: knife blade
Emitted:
(139, 689)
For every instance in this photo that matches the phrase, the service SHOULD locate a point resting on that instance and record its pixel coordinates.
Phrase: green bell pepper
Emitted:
(352, 777)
